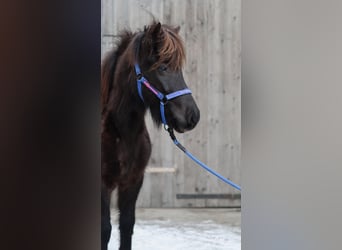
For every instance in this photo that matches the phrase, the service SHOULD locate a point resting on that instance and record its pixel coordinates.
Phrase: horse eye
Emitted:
(162, 67)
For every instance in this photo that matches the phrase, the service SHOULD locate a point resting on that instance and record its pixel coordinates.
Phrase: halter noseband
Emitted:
(163, 99)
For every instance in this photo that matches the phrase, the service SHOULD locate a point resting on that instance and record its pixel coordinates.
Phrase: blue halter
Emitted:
(141, 80)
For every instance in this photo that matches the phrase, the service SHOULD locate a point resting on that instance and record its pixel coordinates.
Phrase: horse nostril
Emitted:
(193, 120)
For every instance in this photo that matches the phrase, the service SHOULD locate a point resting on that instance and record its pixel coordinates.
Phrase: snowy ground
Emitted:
(180, 229)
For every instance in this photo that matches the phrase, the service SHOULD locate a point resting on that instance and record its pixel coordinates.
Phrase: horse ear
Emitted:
(152, 34)
(177, 29)
(155, 31)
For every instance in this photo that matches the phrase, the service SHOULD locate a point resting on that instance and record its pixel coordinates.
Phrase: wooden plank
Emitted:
(208, 196)
(160, 170)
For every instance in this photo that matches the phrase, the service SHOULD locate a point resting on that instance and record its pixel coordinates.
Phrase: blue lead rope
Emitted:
(192, 157)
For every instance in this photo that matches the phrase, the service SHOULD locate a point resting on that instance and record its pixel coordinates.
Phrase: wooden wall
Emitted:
(212, 37)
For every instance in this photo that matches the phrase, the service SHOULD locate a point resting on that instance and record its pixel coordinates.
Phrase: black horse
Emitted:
(155, 54)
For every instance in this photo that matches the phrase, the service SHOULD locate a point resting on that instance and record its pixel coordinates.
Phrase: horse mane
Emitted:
(109, 65)
(170, 49)
(166, 43)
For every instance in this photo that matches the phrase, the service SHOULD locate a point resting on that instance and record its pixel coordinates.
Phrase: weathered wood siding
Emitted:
(211, 33)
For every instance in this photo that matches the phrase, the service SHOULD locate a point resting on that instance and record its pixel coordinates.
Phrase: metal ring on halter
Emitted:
(164, 101)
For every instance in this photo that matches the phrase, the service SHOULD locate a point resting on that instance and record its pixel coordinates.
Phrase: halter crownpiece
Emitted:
(163, 99)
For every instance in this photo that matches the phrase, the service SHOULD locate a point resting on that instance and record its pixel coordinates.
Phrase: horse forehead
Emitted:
(171, 51)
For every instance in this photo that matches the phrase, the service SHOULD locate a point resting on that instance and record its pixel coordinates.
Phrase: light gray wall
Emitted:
(212, 35)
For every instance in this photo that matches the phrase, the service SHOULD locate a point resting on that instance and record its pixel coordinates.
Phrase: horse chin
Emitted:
(179, 130)
(177, 125)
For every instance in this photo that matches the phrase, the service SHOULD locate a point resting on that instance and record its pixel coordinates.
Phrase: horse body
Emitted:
(126, 145)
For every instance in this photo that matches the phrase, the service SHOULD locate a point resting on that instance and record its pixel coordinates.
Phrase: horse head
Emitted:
(160, 55)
